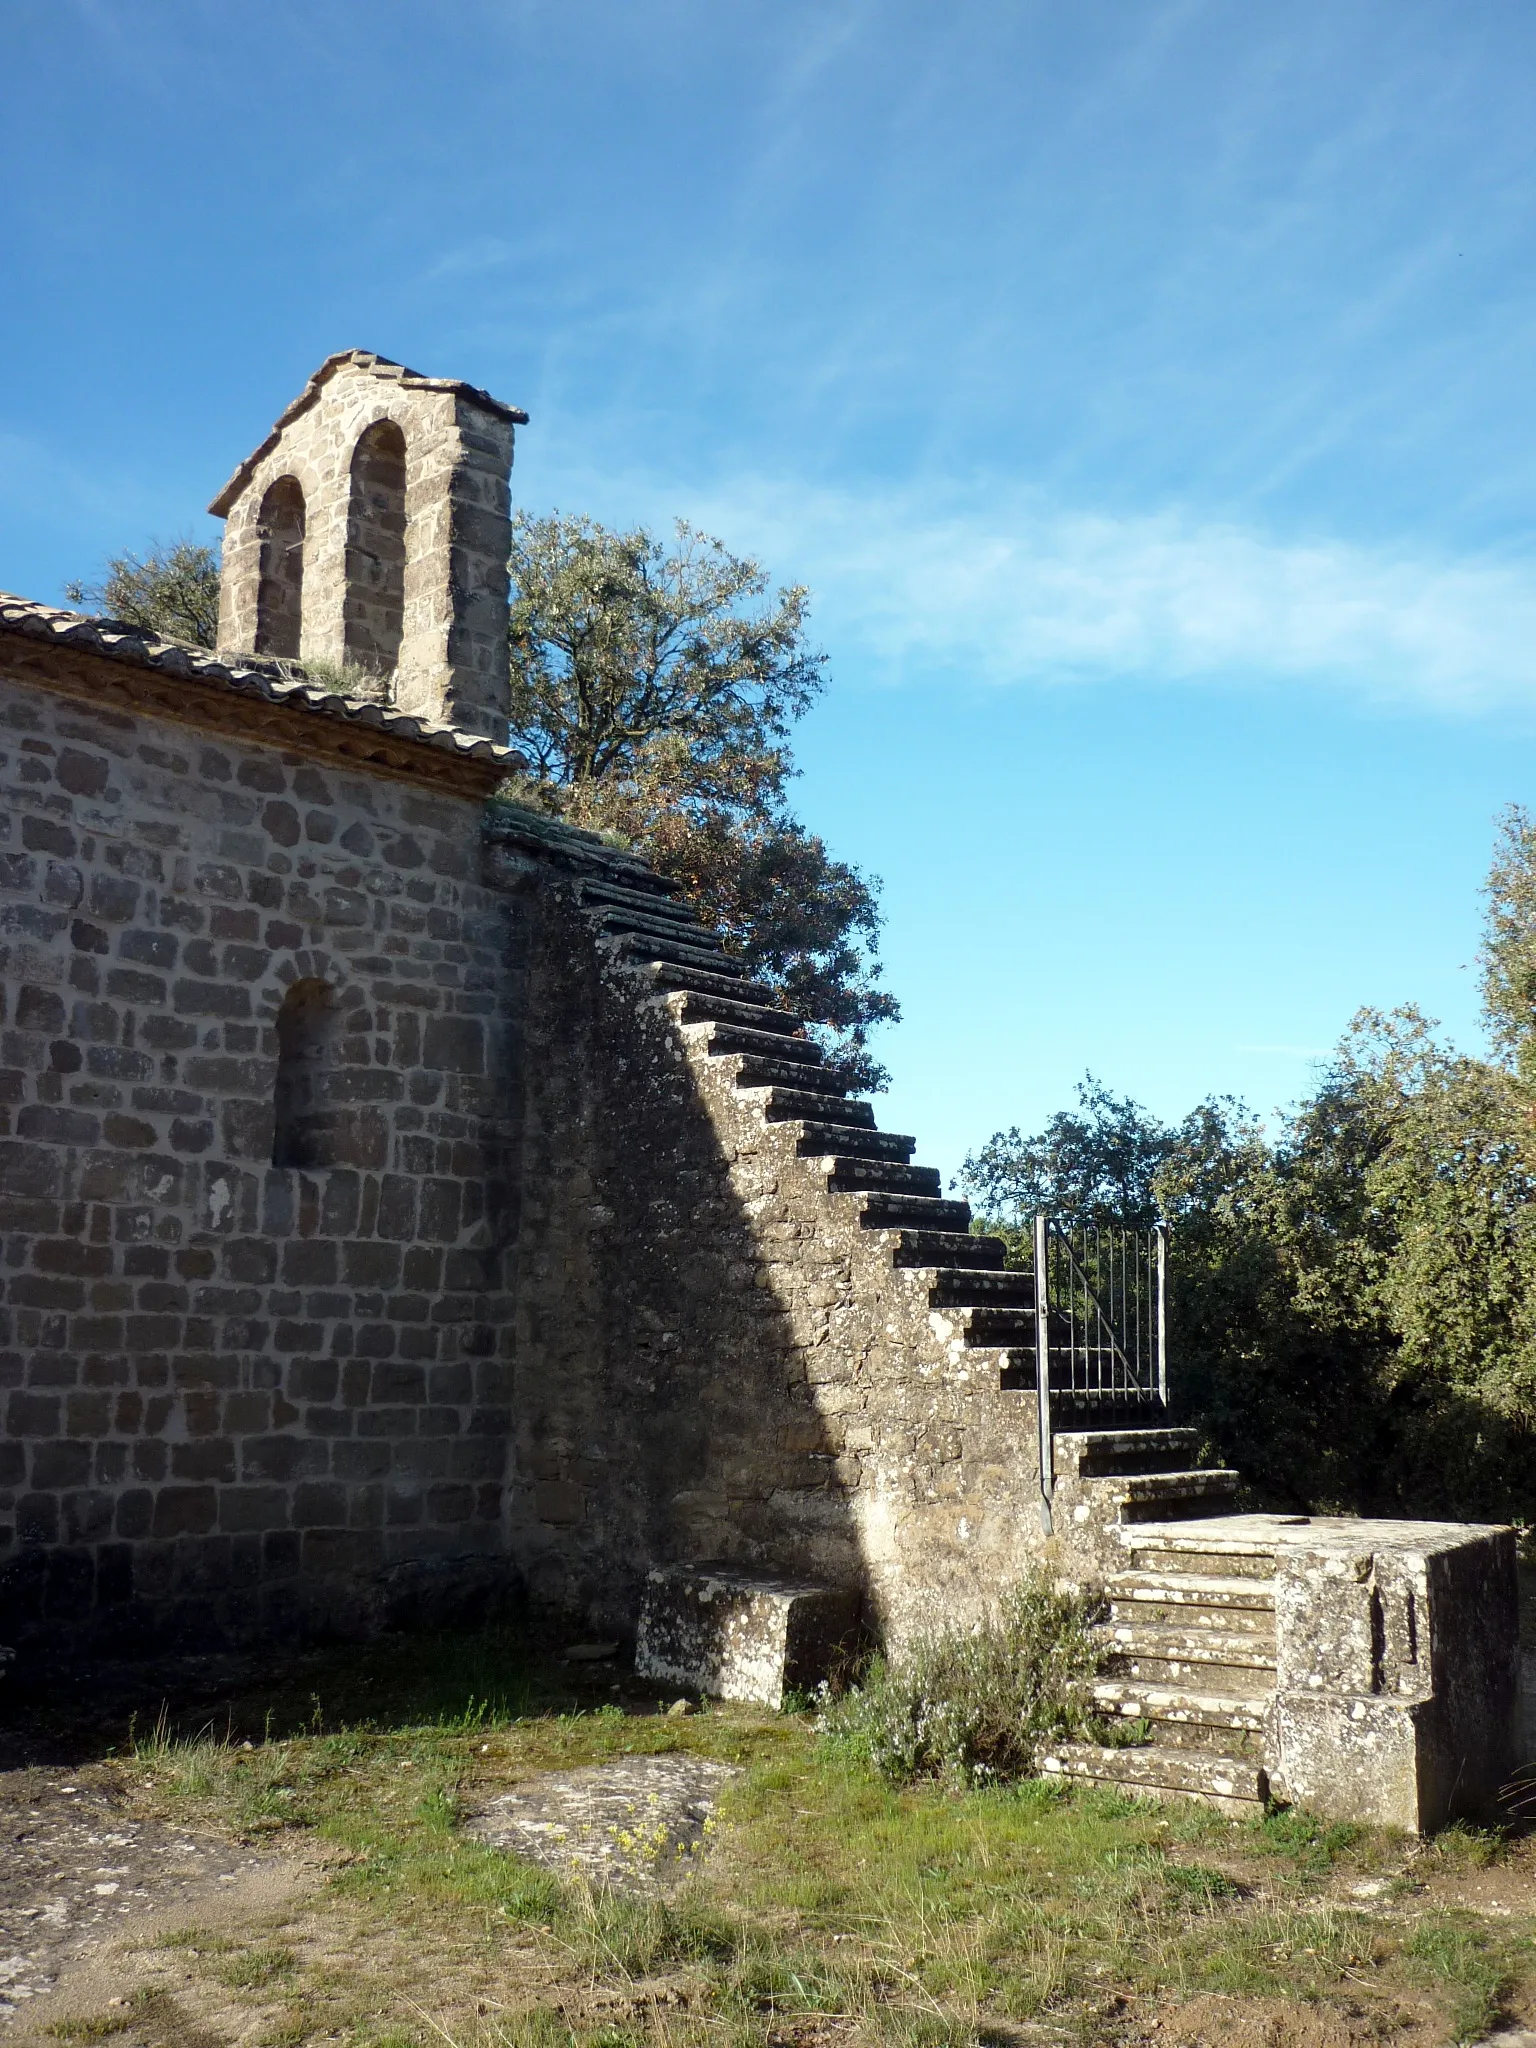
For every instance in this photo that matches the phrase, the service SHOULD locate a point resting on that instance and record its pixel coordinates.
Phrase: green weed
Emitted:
(974, 1705)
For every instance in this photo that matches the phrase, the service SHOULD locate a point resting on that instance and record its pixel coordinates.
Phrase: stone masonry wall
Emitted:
(234, 1396)
(458, 455)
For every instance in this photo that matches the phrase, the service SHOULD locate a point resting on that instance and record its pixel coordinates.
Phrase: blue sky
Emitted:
(1144, 391)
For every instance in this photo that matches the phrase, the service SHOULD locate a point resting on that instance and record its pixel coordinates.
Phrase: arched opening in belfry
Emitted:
(308, 1031)
(375, 602)
(280, 590)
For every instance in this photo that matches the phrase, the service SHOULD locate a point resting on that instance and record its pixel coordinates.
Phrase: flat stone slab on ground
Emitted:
(638, 1823)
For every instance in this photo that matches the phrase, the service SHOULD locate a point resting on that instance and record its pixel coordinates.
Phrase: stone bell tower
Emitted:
(372, 526)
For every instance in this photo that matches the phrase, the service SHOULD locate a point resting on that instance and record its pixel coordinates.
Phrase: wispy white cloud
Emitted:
(472, 258)
(1015, 590)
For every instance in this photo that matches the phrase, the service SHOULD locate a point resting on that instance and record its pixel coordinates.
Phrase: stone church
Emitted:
(406, 1204)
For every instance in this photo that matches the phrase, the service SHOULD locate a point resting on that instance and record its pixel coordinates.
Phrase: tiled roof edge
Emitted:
(394, 373)
(280, 683)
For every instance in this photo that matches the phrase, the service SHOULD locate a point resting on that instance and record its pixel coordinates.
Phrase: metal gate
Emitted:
(1101, 1325)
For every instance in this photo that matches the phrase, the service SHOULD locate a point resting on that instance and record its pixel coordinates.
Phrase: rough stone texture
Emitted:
(1395, 1694)
(737, 1636)
(635, 1824)
(235, 1396)
(417, 589)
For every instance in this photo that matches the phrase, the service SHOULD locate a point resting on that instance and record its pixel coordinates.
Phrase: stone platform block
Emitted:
(737, 1635)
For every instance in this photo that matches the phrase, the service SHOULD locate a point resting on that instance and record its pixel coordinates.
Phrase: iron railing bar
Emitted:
(1043, 1369)
(1162, 1313)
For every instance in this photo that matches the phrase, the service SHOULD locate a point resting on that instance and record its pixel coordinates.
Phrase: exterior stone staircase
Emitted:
(1367, 1669)
(1190, 1652)
(1190, 1666)
(725, 1017)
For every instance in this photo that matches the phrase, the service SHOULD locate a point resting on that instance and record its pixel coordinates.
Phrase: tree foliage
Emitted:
(654, 686)
(172, 591)
(1354, 1293)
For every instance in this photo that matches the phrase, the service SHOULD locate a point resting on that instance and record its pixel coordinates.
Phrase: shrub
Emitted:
(974, 1705)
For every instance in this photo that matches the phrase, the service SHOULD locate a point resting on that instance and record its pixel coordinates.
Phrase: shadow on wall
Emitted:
(661, 1402)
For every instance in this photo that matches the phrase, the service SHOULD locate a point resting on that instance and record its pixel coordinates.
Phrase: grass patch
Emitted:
(913, 1907)
(251, 1969)
(1471, 1963)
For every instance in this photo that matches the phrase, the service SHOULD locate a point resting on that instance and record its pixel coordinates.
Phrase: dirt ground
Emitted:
(80, 1873)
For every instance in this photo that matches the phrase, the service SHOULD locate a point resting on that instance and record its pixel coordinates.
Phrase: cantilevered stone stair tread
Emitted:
(618, 919)
(696, 1006)
(852, 1170)
(947, 1249)
(965, 1286)
(825, 1141)
(890, 1211)
(790, 1094)
(988, 1324)
(727, 1038)
(1110, 1453)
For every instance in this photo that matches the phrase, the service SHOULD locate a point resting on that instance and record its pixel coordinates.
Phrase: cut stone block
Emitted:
(736, 1635)
(1232, 1785)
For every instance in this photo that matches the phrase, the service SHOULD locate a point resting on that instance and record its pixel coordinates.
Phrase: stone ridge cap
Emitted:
(506, 819)
(382, 367)
(280, 683)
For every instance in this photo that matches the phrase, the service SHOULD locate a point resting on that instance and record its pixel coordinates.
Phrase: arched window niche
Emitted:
(308, 1034)
(280, 588)
(375, 596)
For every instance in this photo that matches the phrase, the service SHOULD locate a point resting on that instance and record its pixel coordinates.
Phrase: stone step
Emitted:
(1186, 1709)
(991, 1325)
(1168, 1496)
(1236, 1681)
(612, 918)
(1237, 1786)
(1191, 1642)
(735, 987)
(716, 1039)
(891, 1211)
(1182, 1550)
(1111, 1453)
(948, 1250)
(818, 1100)
(692, 1006)
(665, 902)
(823, 1140)
(852, 1170)
(651, 949)
(970, 1287)
(1157, 1596)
